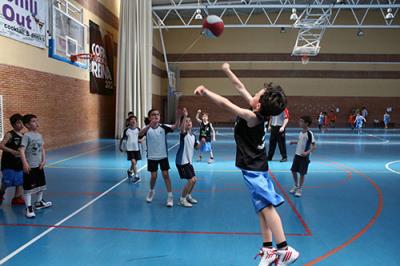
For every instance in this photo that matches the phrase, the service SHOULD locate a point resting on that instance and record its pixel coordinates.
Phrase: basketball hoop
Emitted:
(84, 59)
(305, 59)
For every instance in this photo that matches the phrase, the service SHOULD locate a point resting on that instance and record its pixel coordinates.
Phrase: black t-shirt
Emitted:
(250, 145)
(9, 161)
(205, 131)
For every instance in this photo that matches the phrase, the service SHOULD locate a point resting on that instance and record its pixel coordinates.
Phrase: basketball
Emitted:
(213, 26)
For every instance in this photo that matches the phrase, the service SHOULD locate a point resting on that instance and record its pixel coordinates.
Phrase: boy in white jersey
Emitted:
(157, 152)
(184, 157)
(131, 137)
(305, 145)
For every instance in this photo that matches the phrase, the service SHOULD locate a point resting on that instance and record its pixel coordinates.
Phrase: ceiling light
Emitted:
(293, 16)
(360, 33)
(198, 14)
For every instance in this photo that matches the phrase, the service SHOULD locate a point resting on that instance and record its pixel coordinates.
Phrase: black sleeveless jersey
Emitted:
(250, 146)
(205, 131)
(9, 161)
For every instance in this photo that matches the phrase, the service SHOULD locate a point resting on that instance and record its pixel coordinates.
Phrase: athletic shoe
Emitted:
(136, 180)
(29, 212)
(18, 201)
(293, 190)
(199, 159)
(283, 160)
(190, 199)
(43, 204)
(268, 256)
(184, 203)
(150, 196)
(129, 175)
(298, 192)
(286, 256)
(170, 201)
(211, 160)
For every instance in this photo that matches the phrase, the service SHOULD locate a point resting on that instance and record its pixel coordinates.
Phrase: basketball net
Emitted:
(305, 59)
(85, 59)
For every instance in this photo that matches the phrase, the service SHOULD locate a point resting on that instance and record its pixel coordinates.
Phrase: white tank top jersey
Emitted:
(187, 143)
(277, 120)
(304, 143)
(132, 139)
(156, 140)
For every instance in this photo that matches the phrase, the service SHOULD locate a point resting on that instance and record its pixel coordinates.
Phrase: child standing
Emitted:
(184, 156)
(33, 158)
(11, 165)
(321, 121)
(251, 159)
(360, 120)
(386, 119)
(131, 137)
(207, 133)
(157, 152)
(305, 146)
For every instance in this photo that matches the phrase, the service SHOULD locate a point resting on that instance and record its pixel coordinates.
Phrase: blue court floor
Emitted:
(348, 215)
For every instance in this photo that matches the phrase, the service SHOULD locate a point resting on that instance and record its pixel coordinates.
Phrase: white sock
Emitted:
(170, 194)
(189, 196)
(40, 196)
(28, 200)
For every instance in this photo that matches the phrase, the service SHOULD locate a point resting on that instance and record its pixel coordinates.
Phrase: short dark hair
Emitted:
(307, 119)
(15, 118)
(27, 118)
(130, 113)
(151, 110)
(146, 121)
(132, 116)
(273, 101)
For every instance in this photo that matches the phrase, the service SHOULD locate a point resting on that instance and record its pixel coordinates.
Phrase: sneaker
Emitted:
(199, 159)
(293, 190)
(136, 180)
(190, 199)
(150, 196)
(184, 203)
(211, 160)
(268, 256)
(170, 202)
(43, 204)
(129, 175)
(18, 201)
(283, 160)
(29, 212)
(286, 256)
(298, 192)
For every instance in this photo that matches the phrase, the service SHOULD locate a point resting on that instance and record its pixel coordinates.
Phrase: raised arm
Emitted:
(237, 84)
(247, 115)
(144, 130)
(198, 116)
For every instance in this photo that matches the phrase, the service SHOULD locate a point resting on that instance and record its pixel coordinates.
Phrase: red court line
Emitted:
(363, 230)
(183, 232)
(289, 201)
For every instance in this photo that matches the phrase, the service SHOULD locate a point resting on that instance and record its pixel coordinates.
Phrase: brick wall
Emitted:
(67, 112)
(298, 106)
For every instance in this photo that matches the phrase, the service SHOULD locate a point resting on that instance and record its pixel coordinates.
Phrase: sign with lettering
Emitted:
(24, 20)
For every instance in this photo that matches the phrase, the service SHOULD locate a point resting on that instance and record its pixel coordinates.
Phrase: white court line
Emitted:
(33, 240)
(390, 169)
(384, 140)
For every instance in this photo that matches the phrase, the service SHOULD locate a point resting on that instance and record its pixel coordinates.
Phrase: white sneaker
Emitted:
(170, 202)
(184, 203)
(43, 204)
(298, 192)
(136, 180)
(150, 196)
(190, 199)
(29, 212)
(293, 190)
(210, 160)
(268, 256)
(287, 256)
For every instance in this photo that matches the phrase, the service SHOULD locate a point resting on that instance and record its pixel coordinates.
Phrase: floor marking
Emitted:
(387, 166)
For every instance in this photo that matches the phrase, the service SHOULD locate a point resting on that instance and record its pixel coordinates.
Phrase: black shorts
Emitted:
(152, 165)
(186, 171)
(300, 164)
(133, 155)
(35, 181)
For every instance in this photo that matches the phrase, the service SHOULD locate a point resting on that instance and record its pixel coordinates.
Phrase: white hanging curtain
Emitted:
(134, 89)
